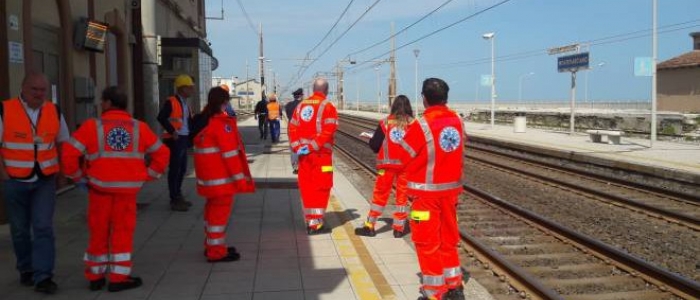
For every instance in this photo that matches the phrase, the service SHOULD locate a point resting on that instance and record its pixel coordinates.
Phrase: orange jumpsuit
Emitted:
(389, 169)
(433, 161)
(114, 147)
(313, 124)
(222, 170)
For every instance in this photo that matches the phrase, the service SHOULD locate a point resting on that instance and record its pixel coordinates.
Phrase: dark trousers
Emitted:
(275, 130)
(262, 126)
(30, 207)
(177, 167)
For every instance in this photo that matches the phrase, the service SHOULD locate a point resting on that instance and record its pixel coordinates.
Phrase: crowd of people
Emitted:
(422, 156)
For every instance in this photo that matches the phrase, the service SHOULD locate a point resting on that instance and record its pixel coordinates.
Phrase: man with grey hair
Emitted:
(311, 132)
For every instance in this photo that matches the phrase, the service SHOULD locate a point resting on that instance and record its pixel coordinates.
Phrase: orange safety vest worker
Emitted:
(114, 147)
(433, 161)
(176, 117)
(27, 149)
(389, 169)
(313, 125)
(273, 110)
(222, 171)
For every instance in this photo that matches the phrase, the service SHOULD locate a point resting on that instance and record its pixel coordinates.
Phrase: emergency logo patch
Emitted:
(228, 128)
(306, 113)
(396, 135)
(118, 139)
(449, 139)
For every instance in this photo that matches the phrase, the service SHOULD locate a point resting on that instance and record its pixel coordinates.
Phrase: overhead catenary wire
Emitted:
(439, 30)
(247, 17)
(332, 27)
(401, 31)
(305, 67)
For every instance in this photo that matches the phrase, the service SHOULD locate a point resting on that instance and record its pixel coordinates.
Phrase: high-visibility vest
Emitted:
(273, 110)
(314, 123)
(436, 147)
(176, 116)
(388, 155)
(115, 146)
(219, 159)
(24, 145)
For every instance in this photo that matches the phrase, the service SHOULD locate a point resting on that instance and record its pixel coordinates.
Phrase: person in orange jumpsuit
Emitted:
(114, 147)
(222, 171)
(387, 142)
(433, 164)
(311, 132)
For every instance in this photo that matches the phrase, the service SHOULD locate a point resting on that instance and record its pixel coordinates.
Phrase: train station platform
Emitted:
(278, 259)
(665, 159)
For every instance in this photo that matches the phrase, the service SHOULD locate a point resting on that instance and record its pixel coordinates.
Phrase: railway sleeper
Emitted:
(509, 240)
(573, 271)
(525, 261)
(597, 285)
(535, 249)
(637, 295)
(497, 224)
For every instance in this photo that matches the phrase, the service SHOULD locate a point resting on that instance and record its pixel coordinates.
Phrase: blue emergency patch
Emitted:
(118, 139)
(306, 113)
(450, 139)
(228, 128)
(396, 135)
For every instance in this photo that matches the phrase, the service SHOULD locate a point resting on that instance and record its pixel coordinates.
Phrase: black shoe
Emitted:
(46, 286)
(322, 230)
(179, 206)
(228, 258)
(455, 294)
(26, 278)
(130, 283)
(182, 199)
(295, 171)
(399, 234)
(365, 231)
(96, 285)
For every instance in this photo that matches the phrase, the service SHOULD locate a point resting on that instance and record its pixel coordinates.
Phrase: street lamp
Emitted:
(492, 36)
(415, 53)
(379, 93)
(586, 81)
(520, 87)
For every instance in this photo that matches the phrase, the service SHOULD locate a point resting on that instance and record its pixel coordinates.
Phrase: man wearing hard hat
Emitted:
(175, 116)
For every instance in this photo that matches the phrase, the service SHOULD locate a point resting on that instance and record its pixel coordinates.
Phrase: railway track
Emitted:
(516, 253)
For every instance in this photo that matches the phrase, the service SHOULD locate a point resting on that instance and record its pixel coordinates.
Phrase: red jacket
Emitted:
(219, 159)
(393, 145)
(114, 146)
(314, 123)
(434, 156)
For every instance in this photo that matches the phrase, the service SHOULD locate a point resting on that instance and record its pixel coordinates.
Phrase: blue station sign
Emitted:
(573, 63)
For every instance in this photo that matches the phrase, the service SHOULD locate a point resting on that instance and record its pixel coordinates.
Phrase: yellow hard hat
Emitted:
(183, 80)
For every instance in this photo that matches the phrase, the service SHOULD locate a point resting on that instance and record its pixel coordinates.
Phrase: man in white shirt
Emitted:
(30, 129)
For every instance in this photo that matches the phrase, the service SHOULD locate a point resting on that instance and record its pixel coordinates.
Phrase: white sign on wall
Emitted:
(13, 22)
(16, 52)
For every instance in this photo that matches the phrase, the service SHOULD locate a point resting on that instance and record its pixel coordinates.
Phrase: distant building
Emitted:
(679, 81)
(247, 93)
(228, 81)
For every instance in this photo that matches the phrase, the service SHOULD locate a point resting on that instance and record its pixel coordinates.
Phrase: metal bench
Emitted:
(605, 136)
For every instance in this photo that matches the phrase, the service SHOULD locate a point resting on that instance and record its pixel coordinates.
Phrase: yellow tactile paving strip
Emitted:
(367, 280)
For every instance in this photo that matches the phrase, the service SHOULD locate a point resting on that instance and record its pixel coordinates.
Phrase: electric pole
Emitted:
(392, 77)
(261, 66)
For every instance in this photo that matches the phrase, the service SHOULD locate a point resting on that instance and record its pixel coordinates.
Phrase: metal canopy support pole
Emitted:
(573, 102)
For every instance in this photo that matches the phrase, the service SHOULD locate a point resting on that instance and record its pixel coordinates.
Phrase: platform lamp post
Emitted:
(520, 87)
(415, 53)
(492, 36)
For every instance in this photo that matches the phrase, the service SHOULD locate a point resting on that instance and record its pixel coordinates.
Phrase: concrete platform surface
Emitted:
(279, 260)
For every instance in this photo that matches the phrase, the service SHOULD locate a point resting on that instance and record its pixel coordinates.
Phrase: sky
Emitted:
(617, 31)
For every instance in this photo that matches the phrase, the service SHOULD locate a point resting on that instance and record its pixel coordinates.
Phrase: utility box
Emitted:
(519, 123)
